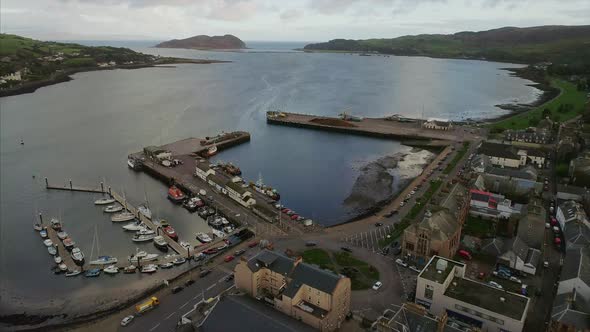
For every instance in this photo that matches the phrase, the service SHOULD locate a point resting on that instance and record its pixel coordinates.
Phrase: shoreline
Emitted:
(65, 76)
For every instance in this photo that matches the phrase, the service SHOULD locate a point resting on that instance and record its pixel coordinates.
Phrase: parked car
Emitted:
(228, 258)
(547, 225)
(210, 251)
(229, 277)
(401, 262)
(252, 244)
(189, 282)
(415, 269)
(378, 224)
(495, 284)
(465, 254)
(127, 320)
(377, 285)
(347, 249)
(310, 244)
(177, 289)
(204, 273)
(239, 252)
(555, 229)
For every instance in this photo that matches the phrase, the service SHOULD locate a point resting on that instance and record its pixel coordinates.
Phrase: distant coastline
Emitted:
(65, 76)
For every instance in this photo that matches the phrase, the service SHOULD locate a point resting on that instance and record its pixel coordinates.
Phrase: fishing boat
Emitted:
(214, 221)
(166, 265)
(111, 269)
(134, 226)
(150, 268)
(231, 169)
(145, 231)
(134, 164)
(175, 195)
(204, 238)
(72, 273)
(63, 267)
(104, 260)
(55, 224)
(228, 229)
(185, 245)
(123, 216)
(143, 238)
(130, 269)
(143, 257)
(264, 189)
(104, 201)
(43, 233)
(211, 151)
(113, 208)
(179, 261)
(68, 243)
(52, 251)
(37, 227)
(62, 235)
(191, 204)
(48, 243)
(77, 256)
(57, 259)
(218, 233)
(143, 209)
(160, 243)
(92, 273)
(171, 233)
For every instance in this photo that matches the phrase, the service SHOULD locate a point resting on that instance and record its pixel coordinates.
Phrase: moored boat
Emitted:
(160, 243)
(150, 268)
(166, 265)
(72, 273)
(145, 231)
(143, 209)
(52, 251)
(204, 238)
(92, 273)
(77, 256)
(113, 209)
(63, 267)
(62, 235)
(48, 243)
(68, 243)
(37, 227)
(130, 269)
(134, 226)
(175, 195)
(171, 233)
(43, 233)
(179, 261)
(134, 164)
(111, 269)
(104, 201)
(123, 216)
(211, 151)
(55, 224)
(104, 260)
(142, 256)
(143, 238)
(185, 245)
(57, 259)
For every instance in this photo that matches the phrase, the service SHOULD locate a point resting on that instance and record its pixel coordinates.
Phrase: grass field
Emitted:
(569, 95)
(475, 226)
(460, 154)
(362, 275)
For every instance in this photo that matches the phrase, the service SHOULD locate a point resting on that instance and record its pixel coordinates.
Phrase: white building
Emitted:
(239, 194)
(443, 289)
(16, 76)
(492, 206)
(437, 124)
(203, 171)
(502, 155)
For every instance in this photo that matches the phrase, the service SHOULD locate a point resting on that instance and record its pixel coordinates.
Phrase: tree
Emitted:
(546, 113)
(533, 122)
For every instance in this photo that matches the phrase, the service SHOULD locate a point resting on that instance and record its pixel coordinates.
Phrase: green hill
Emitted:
(557, 44)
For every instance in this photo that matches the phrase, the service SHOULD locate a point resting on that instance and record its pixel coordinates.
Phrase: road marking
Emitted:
(211, 287)
(185, 303)
(172, 314)
(155, 327)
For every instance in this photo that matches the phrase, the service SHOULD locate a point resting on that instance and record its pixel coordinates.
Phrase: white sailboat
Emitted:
(142, 256)
(104, 201)
(134, 226)
(123, 216)
(100, 260)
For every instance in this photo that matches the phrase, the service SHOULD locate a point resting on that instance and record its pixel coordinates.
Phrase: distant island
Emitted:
(226, 42)
(27, 64)
(556, 44)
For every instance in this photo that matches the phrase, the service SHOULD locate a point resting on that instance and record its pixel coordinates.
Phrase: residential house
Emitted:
(492, 206)
(571, 306)
(16, 76)
(520, 257)
(574, 224)
(531, 227)
(502, 155)
(531, 135)
(305, 292)
(579, 170)
(574, 193)
(414, 317)
(508, 180)
(443, 289)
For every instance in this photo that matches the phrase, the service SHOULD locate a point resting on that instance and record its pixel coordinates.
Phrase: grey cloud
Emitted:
(291, 14)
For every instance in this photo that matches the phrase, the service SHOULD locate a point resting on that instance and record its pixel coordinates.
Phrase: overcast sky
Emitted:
(276, 20)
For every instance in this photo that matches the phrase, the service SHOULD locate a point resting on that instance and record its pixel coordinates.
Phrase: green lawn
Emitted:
(569, 95)
(477, 227)
(362, 275)
(460, 154)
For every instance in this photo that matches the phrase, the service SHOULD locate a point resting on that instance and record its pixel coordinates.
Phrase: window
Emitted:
(410, 246)
(428, 292)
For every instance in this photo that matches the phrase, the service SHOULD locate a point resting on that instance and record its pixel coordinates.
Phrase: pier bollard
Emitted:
(102, 187)
(71, 188)
(41, 218)
(46, 183)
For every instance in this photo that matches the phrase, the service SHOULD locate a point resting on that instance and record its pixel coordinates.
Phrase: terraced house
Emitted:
(317, 297)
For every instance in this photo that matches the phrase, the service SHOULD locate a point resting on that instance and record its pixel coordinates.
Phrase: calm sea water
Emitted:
(84, 129)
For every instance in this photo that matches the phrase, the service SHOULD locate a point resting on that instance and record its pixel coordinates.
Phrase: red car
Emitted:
(553, 221)
(252, 244)
(228, 258)
(210, 251)
(465, 254)
(294, 217)
(285, 210)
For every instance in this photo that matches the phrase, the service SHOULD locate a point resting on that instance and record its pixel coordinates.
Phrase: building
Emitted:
(534, 156)
(502, 155)
(519, 256)
(579, 170)
(574, 224)
(443, 289)
(531, 227)
(537, 136)
(203, 170)
(239, 194)
(16, 76)
(414, 317)
(571, 307)
(218, 183)
(492, 206)
(439, 233)
(508, 180)
(574, 193)
(314, 296)
(437, 124)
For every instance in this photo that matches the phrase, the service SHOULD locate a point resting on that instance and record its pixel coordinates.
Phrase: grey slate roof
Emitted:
(442, 225)
(527, 173)
(272, 261)
(569, 209)
(494, 246)
(518, 247)
(572, 190)
(577, 234)
(498, 150)
(203, 166)
(572, 309)
(533, 257)
(531, 230)
(576, 265)
(236, 187)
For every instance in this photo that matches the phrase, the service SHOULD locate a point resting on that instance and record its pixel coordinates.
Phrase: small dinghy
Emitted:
(69, 243)
(145, 231)
(185, 245)
(57, 259)
(72, 273)
(77, 256)
(92, 273)
(62, 235)
(48, 243)
(104, 260)
(55, 224)
(37, 227)
(52, 251)
(63, 267)
(113, 209)
(179, 261)
(130, 269)
(104, 201)
(123, 216)
(134, 226)
(160, 243)
(142, 256)
(143, 238)
(111, 269)
(43, 233)
(204, 238)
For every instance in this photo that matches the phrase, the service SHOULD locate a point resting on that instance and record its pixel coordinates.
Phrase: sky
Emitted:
(276, 20)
